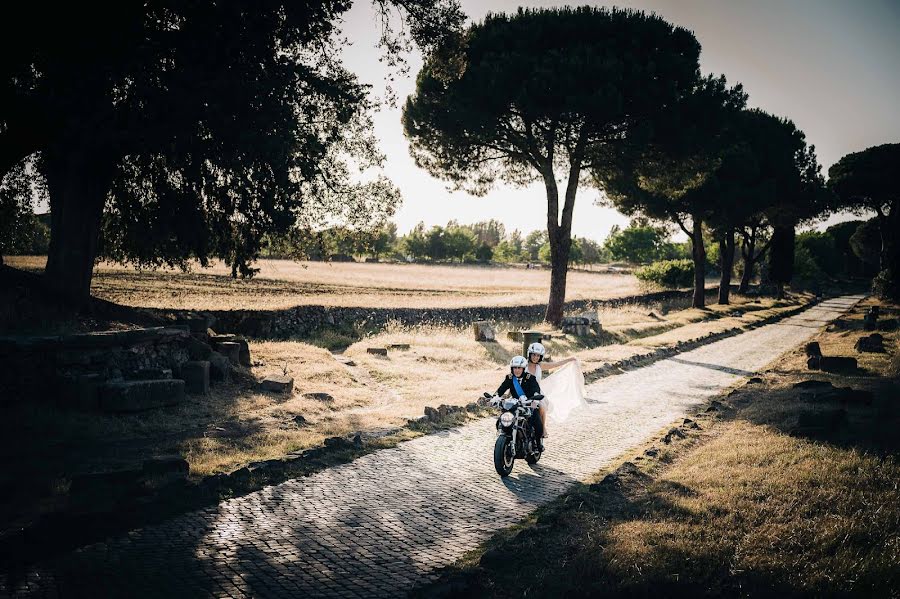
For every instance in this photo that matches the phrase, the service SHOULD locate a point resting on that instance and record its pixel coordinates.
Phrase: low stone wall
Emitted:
(303, 321)
(96, 370)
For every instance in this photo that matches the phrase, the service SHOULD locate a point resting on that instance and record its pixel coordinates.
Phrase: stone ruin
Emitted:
(581, 325)
(120, 371)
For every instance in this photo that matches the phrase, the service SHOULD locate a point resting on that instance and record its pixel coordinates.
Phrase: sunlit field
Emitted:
(284, 284)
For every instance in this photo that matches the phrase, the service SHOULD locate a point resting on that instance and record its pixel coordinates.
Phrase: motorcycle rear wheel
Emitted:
(504, 455)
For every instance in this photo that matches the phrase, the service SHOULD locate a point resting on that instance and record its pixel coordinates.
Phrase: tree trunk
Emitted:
(559, 230)
(559, 267)
(698, 252)
(77, 181)
(748, 247)
(781, 257)
(726, 263)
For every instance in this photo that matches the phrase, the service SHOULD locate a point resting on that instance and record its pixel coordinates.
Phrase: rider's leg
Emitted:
(538, 425)
(543, 412)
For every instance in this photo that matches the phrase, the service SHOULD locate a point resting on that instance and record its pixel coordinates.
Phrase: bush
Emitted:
(671, 274)
(886, 286)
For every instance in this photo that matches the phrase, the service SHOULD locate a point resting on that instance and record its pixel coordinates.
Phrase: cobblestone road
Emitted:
(383, 523)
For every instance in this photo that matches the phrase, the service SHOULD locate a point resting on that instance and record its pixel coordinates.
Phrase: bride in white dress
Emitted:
(563, 391)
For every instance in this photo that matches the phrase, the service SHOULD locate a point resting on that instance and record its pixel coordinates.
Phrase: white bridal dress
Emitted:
(564, 391)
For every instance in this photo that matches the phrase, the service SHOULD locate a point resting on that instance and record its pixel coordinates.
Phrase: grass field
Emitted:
(284, 284)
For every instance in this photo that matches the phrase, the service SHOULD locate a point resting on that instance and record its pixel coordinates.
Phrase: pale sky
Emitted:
(828, 65)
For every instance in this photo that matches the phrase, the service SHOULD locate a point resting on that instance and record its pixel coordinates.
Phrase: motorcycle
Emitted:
(516, 437)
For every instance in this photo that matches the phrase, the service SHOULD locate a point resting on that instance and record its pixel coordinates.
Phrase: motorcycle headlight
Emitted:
(507, 418)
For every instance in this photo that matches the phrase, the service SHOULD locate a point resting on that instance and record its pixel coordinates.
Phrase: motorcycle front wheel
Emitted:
(504, 455)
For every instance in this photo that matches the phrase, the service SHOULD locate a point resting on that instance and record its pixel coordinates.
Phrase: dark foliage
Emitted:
(539, 94)
(196, 127)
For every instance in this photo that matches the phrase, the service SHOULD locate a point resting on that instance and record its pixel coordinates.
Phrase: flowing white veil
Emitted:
(564, 391)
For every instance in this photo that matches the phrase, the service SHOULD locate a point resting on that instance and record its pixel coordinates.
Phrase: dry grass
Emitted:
(284, 284)
(236, 424)
(751, 505)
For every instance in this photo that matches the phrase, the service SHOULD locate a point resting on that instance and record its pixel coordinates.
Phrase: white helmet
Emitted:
(518, 362)
(536, 348)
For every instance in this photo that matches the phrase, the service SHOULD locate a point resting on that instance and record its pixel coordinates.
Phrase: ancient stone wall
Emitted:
(93, 370)
(303, 321)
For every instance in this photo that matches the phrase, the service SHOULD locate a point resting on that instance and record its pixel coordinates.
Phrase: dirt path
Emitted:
(385, 522)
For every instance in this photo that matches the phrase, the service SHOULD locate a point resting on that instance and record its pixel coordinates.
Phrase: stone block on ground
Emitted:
(813, 349)
(574, 321)
(873, 343)
(196, 376)
(151, 374)
(219, 367)
(170, 466)
(231, 350)
(196, 323)
(319, 396)
(98, 492)
(837, 364)
(377, 351)
(243, 354)
(579, 330)
(514, 335)
(870, 322)
(277, 383)
(484, 331)
(198, 350)
(398, 347)
(137, 396)
(813, 384)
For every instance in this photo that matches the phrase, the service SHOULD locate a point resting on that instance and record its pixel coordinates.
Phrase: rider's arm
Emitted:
(549, 365)
(505, 386)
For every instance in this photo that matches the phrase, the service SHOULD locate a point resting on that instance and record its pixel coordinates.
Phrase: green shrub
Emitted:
(670, 274)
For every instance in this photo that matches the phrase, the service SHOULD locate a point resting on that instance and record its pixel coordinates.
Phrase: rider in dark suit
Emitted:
(529, 387)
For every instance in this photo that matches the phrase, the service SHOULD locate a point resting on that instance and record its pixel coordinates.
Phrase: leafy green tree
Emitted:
(381, 240)
(533, 243)
(866, 181)
(484, 253)
(545, 253)
(541, 93)
(671, 274)
(415, 243)
(196, 127)
(591, 251)
(511, 248)
(459, 241)
(866, 242)
(20, 230)
(436, 244)
(848, 263)
(670, 177)
(639, 242)
(489, 233)
(801, 198)
(821, 247)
